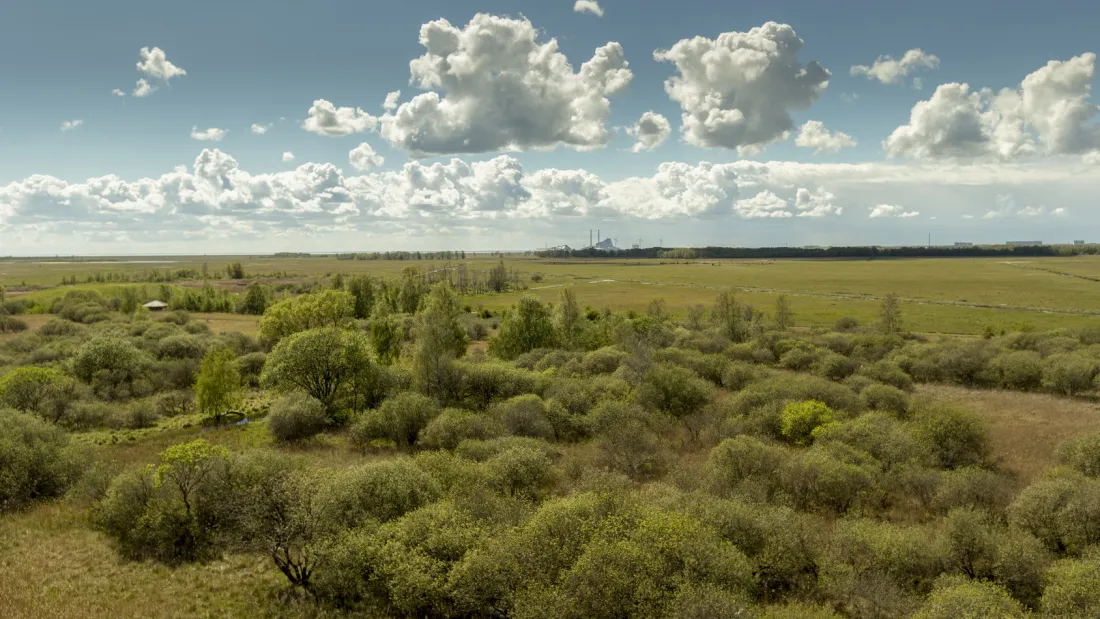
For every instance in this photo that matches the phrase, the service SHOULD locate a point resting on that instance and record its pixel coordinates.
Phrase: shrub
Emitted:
(181, 347)
(878, 397)
(399, 419)
(524, 415)
(673, 390)
(111, 365)
(1020, 370)
(858, 382)
(379, 491)
(834, 366)
(11, 324)
(521, 472)
(956, 438)
(453, 426)
(1069, 374)
(45, 392)
(1082, 453)
(296, 417)
(798, 359)
(801, 420)
(846, 323)
(1073, 588)
(603, 361)
(878, 435)
(954, 598)
(782, 389)
(1019, 564)
(85, 415)
(251, 366)
(815, 480)
(482, 450)
(972, 487)
(176, 403)
(36, 460)
(1061, 511)
(738, 375)
(742, 459)
(888, 373)
(628, 439)
(487, 382)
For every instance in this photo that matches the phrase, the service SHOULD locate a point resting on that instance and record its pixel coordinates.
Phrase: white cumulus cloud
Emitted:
(392, 100)
(737, 91)
(588, 6)
(364, 158)
(817, 203)
(651, 130)
(261, 129)
(155, 64)
(118, 92)
(890, 70)
(213, 134)
(143, 88)
(493, 86)
(1048, 114)
(891, 210)
(813, 134)
(327, 119)
(1091, 158)
(288, 157)
(763, 205)
(69, 125)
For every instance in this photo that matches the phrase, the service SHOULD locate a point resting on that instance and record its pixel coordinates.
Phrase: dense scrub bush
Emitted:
(846, 323)
(783, 388)
(181, 347)
(972, 487)
(673, 390)
(251, 366)
(1060, 510)
(56, 327)
(36, 460)
(602, 361)
(801, 420)
(1069, 374)
(11, 324)
(85, 415)
(710, 367)
(881, 436)
(879, 397)
(956, 438)
(46, 392)
(176, 403)
(520, 471)
(296, 417)
(112, 366)
(174, 512)
(816, 480)
(629, 439)
(400, 419)
(955, 597)
(737, 375)
(1082, 454)
(453, 425)
(487, 382)
(1020, 370)
(1073, 588)
(745, 463)
(887, 373)
(380, 491)
(798, 359)
(834, 366)
(524, 415)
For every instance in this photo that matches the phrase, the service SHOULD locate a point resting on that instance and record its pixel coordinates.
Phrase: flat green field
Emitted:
(948, 295)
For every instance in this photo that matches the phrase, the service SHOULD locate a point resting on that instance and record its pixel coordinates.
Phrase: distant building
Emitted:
(605, 245)
(963, 244)
(1024, 243)
(156, 306)
(1078, 242)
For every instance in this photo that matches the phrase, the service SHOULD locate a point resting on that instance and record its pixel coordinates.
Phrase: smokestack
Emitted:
(597, 235)
(590, 237)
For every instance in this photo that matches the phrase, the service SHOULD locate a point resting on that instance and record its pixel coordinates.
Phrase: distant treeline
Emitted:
(824, 252)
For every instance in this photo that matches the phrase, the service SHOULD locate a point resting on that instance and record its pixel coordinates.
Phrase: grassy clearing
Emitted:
(1025, 428)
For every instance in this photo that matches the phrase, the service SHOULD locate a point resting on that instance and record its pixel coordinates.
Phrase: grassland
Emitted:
(949, 295)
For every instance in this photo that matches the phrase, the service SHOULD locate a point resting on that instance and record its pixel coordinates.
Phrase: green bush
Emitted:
(296, 417)
(603, 361)
(798, 359)
(1060, 510)
(488, 382)
(45, 392)
(524, 415)
(834, 366)
(1069, 374)
(738, 375)
(56, 327)
(1073, 588)
(782, 389)
(1020, 370)
(251, 366)
(521, 472)
(452, 426)
(800, 420)
(743, 460)
(973, 487)
(956, 438)
(11, 324)
(887, 373)
(399, 419)
(36, 460)
(960, 598)
(379, 491)
(629, 440)
(181, 347)
(673, 390)
(815, 480)
(1082, 454)
(879, 435)
(885, 398)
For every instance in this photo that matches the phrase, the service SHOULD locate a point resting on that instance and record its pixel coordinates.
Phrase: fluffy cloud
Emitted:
(261, 129)
(493, 86)
(213, 134)
(1048, 114)
(817, 203)
(588, 6)
(763, 205)
(143, 88)
(651, 130)
(736, 91)
(1091, 158)
(813, 134)
(155, 64)
(364, 158)
(1007, 208)
(891, 210)
(391, 101)
(69, 125)
(327, 119)
(890, 70)
(288, 157)
(118, 92)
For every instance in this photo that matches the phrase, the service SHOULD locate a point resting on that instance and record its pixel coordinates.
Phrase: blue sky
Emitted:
(252, 62)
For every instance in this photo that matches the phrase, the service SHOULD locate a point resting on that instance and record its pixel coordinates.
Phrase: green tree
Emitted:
(37, 461)
(784, 317)
(361, 288)
(408, 295)
(440, 339)
(218, 385)
(524, 329)
(568, 320)
(331, 308)
(44, 391)
(889, 313)
(338, 281)
(320, 362)
(256, 299)
(130, 300)
(3, 294)
(385, 334)
(498, 277)
(235, 271)
(801, 420)
(728, 315)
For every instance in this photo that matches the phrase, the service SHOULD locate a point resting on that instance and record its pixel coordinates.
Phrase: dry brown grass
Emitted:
(224, 323)
(1025, 428)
